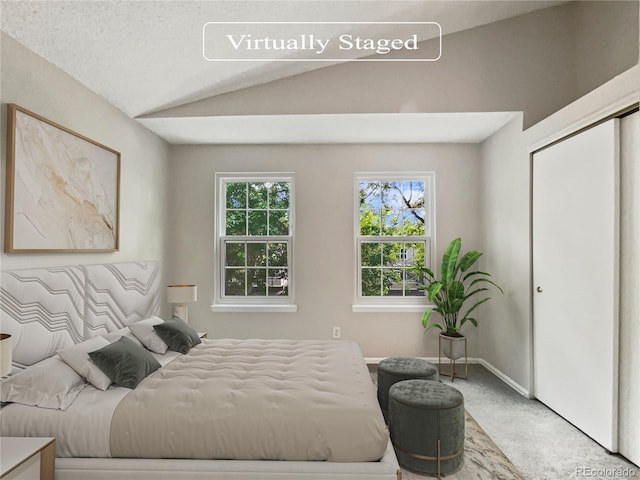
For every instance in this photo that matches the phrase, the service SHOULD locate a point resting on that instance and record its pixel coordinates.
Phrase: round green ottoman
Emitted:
(426, 423)
(395, 369)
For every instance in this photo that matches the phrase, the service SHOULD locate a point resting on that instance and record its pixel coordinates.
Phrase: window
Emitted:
(254, 241)
(394, 232)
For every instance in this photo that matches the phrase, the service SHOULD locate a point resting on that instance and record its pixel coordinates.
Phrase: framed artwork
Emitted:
(62, 189)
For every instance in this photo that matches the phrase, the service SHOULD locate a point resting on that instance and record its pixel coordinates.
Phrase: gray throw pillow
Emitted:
(177, 334)
(125, 362)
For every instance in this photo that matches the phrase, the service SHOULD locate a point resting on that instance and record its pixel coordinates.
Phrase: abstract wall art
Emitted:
(62, 189)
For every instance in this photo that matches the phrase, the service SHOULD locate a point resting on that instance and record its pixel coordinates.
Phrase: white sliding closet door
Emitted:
(629, 418)
(575, 273)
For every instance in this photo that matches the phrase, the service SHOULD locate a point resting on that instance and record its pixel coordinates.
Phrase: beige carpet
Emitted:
(483, 460)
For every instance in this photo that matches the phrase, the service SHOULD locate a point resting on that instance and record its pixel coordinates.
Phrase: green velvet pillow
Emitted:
(125, 362)
(177, 334)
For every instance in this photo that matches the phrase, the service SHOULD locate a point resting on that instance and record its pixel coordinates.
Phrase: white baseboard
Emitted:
(506, 379)
(376, 360)
(502, 376)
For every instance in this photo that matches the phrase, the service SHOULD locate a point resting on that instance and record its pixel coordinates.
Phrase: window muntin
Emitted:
(257, 208)
(393, 235)
(255, 241)
(256, 269)
(386, 268)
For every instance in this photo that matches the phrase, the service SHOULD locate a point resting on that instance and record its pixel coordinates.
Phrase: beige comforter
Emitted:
(255, 400)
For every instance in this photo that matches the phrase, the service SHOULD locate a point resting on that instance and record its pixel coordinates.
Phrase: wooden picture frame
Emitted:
(62, 189)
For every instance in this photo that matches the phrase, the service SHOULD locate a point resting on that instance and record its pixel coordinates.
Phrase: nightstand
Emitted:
(27, 458)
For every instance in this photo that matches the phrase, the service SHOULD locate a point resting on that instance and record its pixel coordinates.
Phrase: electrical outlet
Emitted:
(336, 332)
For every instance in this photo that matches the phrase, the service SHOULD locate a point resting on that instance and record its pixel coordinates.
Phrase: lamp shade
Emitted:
(5, 354)
(182, 293)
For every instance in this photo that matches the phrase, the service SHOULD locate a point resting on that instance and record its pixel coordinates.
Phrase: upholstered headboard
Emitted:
(48, 309)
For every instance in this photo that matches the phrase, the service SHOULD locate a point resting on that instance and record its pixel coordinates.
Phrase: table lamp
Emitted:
(179, 296)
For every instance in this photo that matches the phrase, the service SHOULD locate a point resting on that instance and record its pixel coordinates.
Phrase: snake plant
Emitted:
(457, 284)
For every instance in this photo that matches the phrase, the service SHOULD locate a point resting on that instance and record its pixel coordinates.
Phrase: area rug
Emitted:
(483, 460)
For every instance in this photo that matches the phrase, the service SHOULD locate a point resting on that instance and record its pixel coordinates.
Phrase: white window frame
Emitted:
(392, 303)
(223, 303)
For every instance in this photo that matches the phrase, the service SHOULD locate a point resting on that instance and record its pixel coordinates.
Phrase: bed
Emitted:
(238, 408)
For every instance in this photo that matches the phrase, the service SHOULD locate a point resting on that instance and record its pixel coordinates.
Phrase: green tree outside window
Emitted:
(257, 226)
(391, 217)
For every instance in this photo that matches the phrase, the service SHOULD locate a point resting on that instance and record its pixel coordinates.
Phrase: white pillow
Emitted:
(144, 331)
(77, 357)
(123, 332)
(50, 383)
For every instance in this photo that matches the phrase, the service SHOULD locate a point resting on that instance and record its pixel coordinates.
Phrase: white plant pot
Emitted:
(453, 347)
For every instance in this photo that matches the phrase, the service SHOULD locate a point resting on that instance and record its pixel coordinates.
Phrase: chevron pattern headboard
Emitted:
(118, 294)
(48, 309)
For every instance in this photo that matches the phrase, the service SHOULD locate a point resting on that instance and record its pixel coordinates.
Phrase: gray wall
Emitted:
(606, 41)
(535, 63)
(324, 242)
(38, 86)
(505, 335)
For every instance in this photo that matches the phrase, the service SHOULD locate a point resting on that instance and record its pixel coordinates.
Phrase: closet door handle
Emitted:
(539, 289)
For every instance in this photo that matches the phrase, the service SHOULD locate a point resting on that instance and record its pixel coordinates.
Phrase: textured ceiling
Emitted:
(146, 56)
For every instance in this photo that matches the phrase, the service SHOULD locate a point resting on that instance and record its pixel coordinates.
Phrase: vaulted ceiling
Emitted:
(146, 56)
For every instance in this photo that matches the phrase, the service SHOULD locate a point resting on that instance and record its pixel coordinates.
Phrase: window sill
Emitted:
(290, 308)
(369, 308)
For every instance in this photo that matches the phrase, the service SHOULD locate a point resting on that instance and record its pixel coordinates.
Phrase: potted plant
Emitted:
(457, 284)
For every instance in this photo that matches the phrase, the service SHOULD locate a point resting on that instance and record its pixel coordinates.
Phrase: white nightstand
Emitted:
(27, 458)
